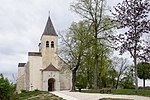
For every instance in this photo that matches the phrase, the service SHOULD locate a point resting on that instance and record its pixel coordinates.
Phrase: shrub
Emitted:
(7, 89)
(24, 91)
(36, 90)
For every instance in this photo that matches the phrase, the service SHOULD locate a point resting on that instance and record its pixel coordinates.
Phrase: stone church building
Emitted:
(45, 70)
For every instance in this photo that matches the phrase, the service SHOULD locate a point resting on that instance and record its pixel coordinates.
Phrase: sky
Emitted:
(22, 23)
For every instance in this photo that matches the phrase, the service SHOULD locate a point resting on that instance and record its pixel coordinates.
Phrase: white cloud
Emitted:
(21, 24)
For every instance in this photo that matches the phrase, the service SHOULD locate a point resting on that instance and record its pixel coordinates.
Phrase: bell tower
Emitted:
(49, 45)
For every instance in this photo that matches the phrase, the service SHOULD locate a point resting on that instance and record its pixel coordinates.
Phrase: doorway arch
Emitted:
(51, 84)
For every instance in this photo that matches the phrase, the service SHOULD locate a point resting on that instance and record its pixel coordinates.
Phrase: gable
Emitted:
(50, 68)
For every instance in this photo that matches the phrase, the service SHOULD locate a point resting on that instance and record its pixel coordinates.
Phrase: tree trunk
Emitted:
(144, 83)
(88, 78)
(117, 82)
(95, 72)
(136, 78)
(114, 82)
(74, 80)
(104, 82)
(118, 79)
(74, 73)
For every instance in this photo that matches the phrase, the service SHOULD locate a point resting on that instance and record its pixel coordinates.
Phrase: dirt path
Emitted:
(94, 96)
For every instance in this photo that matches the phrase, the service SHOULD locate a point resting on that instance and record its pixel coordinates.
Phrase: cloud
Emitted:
(21, 24)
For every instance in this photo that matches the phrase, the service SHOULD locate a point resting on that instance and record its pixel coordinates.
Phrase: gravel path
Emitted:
(94, 96)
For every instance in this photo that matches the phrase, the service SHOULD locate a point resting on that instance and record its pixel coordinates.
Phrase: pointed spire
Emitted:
(49, 29)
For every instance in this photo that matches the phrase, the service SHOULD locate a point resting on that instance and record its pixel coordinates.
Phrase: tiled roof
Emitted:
(50, 68)
(21, 64)
(49, 29)
(34, 54)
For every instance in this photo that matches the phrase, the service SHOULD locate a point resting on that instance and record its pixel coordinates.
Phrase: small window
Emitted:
(52, 44)
(47, 43)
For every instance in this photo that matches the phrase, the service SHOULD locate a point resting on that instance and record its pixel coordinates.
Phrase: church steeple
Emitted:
(48, 46)
(49, 29)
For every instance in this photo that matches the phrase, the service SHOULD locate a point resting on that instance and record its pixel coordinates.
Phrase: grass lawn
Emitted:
(38, 95)
(123, 92)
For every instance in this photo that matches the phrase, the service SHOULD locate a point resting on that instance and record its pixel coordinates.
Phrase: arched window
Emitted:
(52, 44)
(47, 43)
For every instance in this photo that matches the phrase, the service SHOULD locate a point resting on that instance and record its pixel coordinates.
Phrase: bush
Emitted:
(36, 90)
(24, 91)
(145, 88)
(7, 89)
(127, 83)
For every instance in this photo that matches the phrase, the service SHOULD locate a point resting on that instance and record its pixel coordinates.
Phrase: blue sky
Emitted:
(21, 24)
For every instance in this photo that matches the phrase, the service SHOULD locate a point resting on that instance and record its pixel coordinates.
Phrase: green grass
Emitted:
(131, 92)
(123, 92)
(38, 95)
(25, 95)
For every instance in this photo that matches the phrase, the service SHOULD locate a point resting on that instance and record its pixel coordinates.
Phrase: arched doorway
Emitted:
(51, 83)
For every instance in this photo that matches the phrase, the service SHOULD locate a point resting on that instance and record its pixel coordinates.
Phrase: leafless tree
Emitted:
(132, 15)
(121, 66)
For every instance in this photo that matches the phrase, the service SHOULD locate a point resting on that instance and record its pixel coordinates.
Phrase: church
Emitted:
(45, 70)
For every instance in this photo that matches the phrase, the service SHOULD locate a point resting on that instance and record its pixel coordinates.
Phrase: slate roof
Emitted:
(49, 29)
(21, 64)
(34, 54)
(51, 68)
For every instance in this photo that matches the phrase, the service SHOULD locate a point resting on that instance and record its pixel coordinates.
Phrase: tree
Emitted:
(112, 75)
(74, 44)
(127, 83)
(143, 71)
(127, 79)
(7, 89)
(100, 24)
(132, 15)
(120, 66)
(86, 69)
(145, 56)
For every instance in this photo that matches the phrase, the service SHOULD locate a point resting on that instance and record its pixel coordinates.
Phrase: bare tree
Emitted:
(133, 16)
(121, 66)
(145, 56)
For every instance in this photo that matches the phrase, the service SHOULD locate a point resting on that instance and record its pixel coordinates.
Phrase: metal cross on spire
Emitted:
(49, 13)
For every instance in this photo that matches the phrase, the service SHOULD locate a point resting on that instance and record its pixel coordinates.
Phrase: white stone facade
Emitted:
(45, 70)
(51, 75)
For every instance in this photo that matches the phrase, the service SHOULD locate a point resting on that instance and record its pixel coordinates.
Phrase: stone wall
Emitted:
(20, 84)
(65, 75)
(35, 64)
(48, 75)
(20, 80)
(27, 77)
(49, 55)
